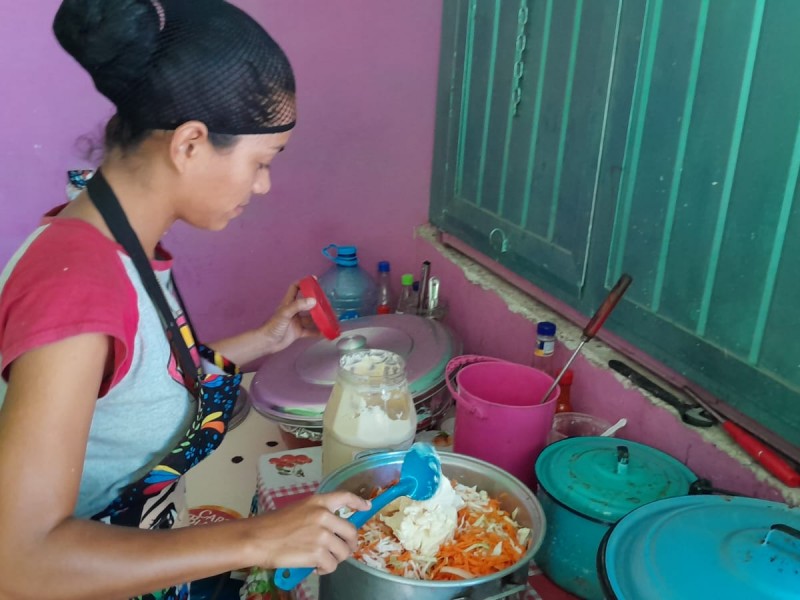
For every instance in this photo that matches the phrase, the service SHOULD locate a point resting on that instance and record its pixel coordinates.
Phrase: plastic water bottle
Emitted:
(351, 290)
(385, 301)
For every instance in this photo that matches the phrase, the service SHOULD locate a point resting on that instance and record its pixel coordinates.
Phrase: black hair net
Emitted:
(165, 62)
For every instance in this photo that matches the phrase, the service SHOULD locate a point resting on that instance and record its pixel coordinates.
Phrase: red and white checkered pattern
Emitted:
(275, 498)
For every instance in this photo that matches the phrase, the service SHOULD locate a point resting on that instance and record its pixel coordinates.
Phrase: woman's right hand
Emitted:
(307, 534)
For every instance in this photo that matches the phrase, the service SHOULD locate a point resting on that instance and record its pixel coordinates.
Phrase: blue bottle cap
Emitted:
(346, 256)
(384, 267)
(546, 328)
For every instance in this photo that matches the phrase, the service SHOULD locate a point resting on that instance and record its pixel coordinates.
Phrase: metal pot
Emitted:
(586, 484)
(241, 409)
(353, 580)
(293, 386)
(703, 547)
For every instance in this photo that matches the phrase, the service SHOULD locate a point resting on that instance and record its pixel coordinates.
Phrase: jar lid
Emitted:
(322, 313)
(605, 478)
(294, 384)
(704, 546)
(546, 328)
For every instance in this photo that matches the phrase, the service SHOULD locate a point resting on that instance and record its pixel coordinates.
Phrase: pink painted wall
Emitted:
(357, 169)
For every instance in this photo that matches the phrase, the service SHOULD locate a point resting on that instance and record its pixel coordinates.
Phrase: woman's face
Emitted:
(220, 182)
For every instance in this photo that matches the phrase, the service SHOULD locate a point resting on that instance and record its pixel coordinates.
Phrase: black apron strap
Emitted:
(104, 199)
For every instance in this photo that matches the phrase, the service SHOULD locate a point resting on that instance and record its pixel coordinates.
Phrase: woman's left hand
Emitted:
(290, 322)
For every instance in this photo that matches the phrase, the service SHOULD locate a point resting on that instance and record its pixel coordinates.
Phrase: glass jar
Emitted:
(543, 358)
(370, 407)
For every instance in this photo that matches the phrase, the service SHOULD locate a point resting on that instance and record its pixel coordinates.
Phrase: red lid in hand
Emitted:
(322, 313)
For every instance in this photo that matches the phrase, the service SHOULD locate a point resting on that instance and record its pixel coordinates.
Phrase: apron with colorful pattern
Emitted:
(154, 501)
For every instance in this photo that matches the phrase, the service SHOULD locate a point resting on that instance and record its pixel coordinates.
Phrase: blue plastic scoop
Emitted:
(419, 480)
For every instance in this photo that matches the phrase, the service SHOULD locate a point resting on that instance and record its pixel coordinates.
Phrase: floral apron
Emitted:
(154, 501)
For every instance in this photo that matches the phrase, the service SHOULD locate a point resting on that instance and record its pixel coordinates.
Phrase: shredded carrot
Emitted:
(486, 541)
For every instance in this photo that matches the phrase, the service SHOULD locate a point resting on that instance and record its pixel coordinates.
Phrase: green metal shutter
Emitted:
(682, 172)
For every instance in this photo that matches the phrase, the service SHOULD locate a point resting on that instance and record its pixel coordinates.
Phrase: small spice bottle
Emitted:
(564, 398)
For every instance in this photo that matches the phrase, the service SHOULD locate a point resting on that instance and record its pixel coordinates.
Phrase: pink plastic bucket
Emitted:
(498, 415)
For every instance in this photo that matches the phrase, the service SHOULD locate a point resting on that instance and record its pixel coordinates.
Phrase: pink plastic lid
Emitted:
(322, 314)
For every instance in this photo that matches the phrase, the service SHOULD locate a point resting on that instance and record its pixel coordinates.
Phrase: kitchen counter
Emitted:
(224, 485)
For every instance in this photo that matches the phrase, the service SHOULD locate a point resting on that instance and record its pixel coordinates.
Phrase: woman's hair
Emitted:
(165, 62)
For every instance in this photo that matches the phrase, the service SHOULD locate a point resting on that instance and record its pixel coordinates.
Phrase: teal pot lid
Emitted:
(704, 547)
(605, 478)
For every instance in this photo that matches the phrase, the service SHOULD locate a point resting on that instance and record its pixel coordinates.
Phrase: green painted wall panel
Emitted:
(496, 126)
(477, 72)
(702, 170)
(544, 153)
(655, 137)
(758, 190)
(570, 219)
(525, 124)
(780, 352)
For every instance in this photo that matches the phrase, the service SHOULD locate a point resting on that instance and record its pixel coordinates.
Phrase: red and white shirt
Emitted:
(68, 279)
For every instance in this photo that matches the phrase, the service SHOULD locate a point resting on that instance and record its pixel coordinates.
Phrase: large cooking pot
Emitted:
(353, 580)
(292, 387)
(586, 484)
(697, 547)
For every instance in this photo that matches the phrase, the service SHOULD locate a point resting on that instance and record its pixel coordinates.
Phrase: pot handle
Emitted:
(785, 529)
(452, 369)
(505, 593)
(456, 363)
(701, 487)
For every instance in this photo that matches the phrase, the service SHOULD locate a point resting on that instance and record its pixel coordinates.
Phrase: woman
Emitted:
(106, 400)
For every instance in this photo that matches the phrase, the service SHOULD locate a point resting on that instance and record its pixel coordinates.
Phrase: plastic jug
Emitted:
(370, 407)
(351, 290)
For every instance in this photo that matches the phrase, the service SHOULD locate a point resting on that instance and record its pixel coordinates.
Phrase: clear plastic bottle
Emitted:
(370, 406)
(543, 359)
(408, 300)
(351, 290)
(385, 300)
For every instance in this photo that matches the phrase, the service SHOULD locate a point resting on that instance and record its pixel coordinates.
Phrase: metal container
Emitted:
(586, 484)
(703, 547)
(292, 387)
(353, 580)
(241, 409)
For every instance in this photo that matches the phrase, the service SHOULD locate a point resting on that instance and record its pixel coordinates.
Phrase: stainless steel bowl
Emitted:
(354, 580)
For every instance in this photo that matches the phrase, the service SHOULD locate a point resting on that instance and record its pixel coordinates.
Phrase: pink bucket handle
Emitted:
(452, 369)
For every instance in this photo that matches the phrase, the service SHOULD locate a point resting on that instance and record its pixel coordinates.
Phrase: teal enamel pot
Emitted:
(586, 485)
(698, 547)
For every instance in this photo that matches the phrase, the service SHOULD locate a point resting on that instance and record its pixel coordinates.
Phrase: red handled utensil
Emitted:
(768, 459)
(591, 329)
